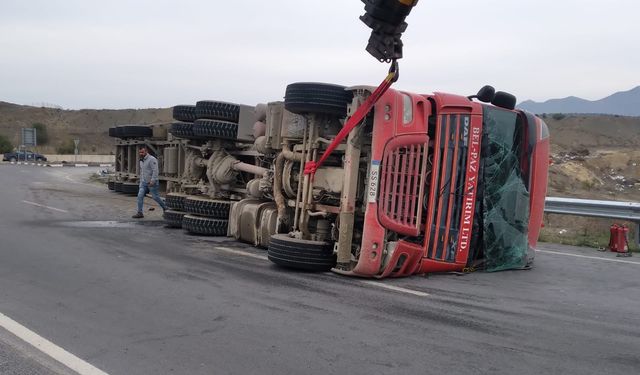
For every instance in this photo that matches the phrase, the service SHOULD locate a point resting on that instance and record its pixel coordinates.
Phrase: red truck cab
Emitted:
(453, 184)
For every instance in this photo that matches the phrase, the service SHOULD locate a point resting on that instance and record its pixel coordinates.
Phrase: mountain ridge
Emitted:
(622, 103)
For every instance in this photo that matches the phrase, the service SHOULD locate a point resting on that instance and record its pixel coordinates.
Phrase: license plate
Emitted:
(374, 180)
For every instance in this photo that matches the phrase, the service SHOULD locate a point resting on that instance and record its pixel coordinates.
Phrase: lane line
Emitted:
(395, 288)
(242, 253)
(587, 257)
(47, 207)
(47, 347)
(371, 283)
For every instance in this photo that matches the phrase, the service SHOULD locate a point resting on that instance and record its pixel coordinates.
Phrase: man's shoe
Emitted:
(139, 215)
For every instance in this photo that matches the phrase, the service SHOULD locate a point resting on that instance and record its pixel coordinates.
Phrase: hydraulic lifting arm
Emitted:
(386, 19)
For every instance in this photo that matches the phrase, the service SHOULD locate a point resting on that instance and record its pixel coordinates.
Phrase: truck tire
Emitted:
(308, 97)
(182, 130)
(118, 187)
(175, 201)
(130, 188)
(212, 208)
(212, 110)
(208, 129)
(111, 185)
(133, 131)
(186, 113)
(301, 254)
(173, 218)
(205, 226)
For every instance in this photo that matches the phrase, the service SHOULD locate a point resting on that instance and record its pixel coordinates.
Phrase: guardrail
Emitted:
(629, 211)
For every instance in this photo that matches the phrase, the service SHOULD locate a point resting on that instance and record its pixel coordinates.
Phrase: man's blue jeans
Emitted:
(144, 189)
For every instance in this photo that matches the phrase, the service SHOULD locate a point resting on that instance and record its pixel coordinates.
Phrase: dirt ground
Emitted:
(594, 157)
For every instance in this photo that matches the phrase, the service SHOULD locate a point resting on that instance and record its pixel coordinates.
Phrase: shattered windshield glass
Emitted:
(505, 191)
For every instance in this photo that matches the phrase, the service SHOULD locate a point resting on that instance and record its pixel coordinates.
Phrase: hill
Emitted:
(91, 126)
(624, 103)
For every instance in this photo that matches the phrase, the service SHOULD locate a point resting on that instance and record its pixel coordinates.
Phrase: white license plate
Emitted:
(374, 181)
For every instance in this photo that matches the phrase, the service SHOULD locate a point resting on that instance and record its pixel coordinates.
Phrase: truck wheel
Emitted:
(118, 187)
(130, 188)
(182, 130)
(208, 109)
(186, 113)
(208, 129)
(307, 97)
(133, 131)
(301, 254)
(175, 201)
(205, 225)
(207, 207)
(173, 218)
(111, 185)
(13, 160)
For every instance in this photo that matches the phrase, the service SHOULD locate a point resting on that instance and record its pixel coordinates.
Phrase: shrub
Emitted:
(66, 148)
(558, 116)
(5, 144)
(42, 137)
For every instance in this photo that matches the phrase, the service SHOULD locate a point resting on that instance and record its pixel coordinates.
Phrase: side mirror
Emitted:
(504, 100)
(485, 95)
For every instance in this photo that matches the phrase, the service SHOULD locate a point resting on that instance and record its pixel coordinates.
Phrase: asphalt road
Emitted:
(135, 298)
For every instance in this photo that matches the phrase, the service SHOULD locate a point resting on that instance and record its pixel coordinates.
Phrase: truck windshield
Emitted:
(503, 190)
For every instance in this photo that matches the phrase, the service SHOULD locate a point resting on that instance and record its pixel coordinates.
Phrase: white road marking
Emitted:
(371, 283)
(47, 207)
(243, 253)
(395, 288)
(587, 257)
(47, 347)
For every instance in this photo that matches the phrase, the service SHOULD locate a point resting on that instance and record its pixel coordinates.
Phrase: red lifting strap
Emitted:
(311, 166)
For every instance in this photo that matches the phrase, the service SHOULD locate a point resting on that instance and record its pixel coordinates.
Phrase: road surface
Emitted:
(102, 293)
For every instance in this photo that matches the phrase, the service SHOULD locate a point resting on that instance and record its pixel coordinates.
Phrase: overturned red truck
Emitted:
(424, 183)
(430, 183)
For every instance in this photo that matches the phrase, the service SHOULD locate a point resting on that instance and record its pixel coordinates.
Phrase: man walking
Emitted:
(148, 180)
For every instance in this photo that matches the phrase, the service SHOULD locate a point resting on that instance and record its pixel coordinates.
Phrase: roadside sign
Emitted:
(29, 137)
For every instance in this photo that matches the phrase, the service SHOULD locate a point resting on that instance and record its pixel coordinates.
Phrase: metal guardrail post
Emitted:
(629, 211)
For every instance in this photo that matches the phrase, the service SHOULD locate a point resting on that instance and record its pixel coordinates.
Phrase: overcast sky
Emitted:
(138, 54)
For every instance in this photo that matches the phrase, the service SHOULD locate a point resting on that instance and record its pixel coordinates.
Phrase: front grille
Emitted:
(449, 187)
(402, 184)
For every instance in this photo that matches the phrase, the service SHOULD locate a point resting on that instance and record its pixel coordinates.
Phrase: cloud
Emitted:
(116, 54)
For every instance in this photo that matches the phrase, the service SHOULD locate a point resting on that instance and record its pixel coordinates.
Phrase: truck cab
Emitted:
(452, 184)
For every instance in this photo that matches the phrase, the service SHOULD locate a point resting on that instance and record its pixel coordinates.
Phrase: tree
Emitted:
(5, 144)
(42, 137)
